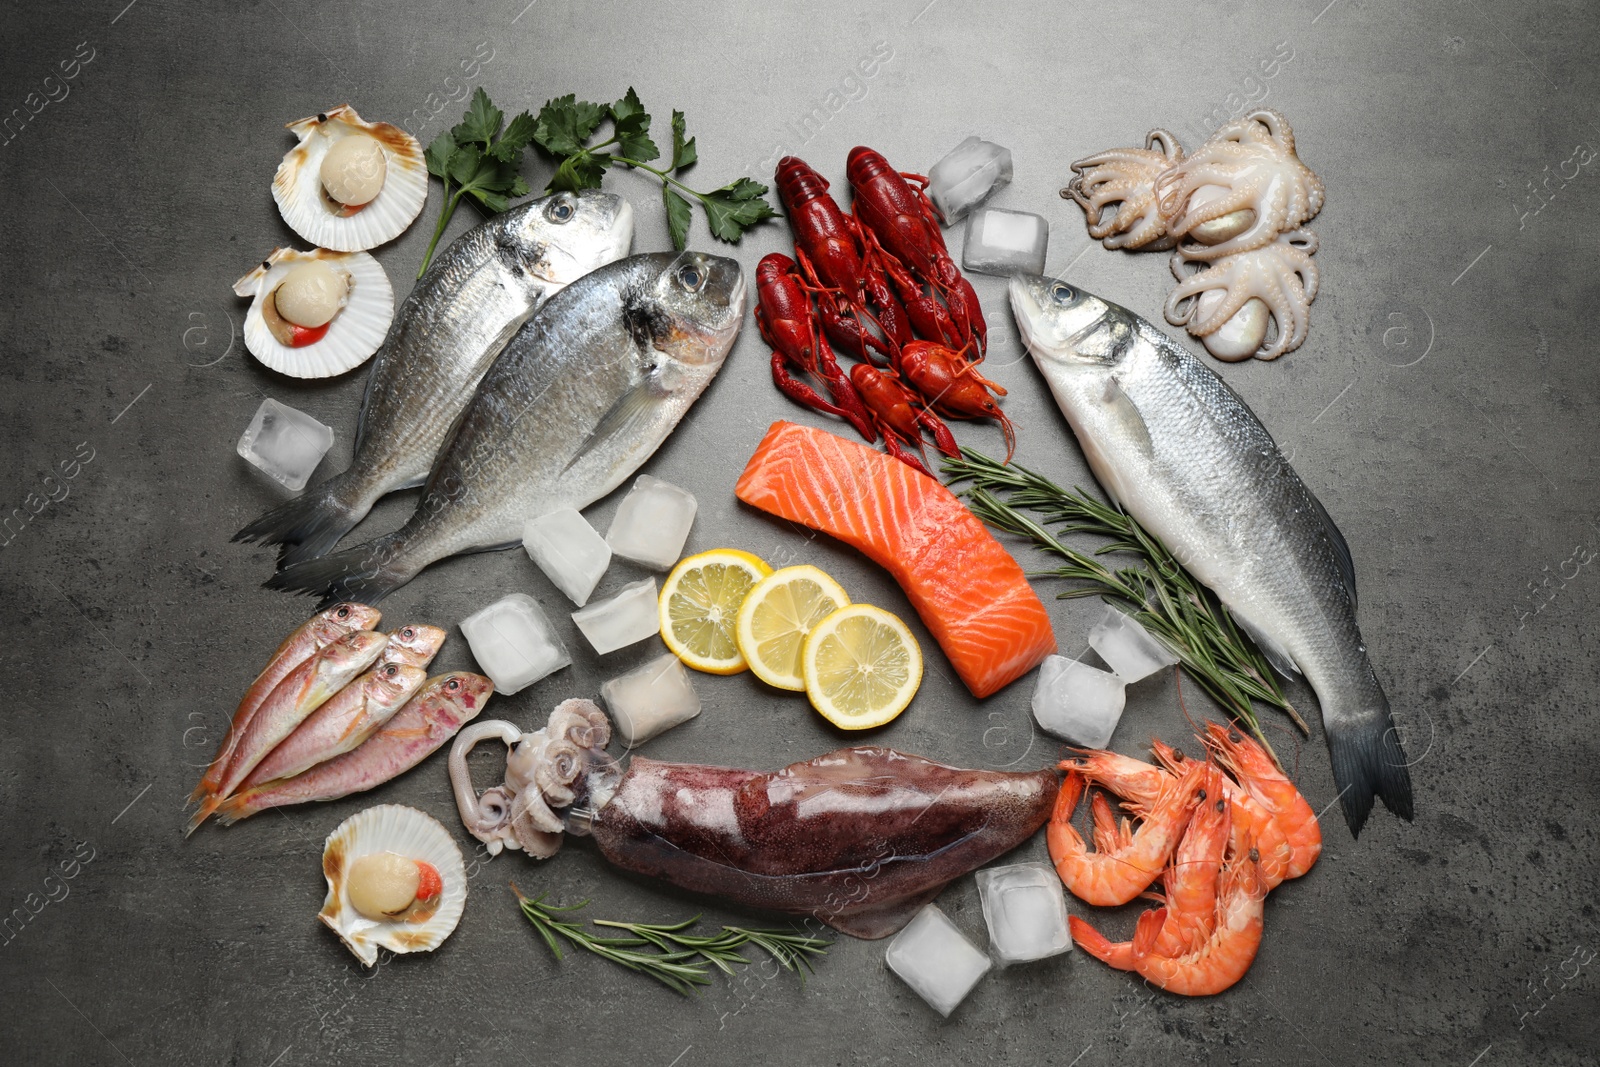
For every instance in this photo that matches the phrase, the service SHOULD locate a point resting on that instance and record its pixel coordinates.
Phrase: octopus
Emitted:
(1239, 190)
(1227, 304)
(1116, 189)
(860, 838)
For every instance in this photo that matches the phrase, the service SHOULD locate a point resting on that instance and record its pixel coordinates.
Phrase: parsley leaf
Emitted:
(565, 123)
(481, 121)
(735, 208)
(683, 152)
(679, 215)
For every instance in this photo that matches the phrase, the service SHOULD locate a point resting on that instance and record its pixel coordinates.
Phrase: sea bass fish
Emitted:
(1184, 455)
(581, 397)
(302, 691)
(445, 337)
(352, 716)
(427, 721)
(313, 635)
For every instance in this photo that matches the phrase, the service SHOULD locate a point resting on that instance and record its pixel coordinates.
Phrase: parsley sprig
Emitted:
(481, 160)
(565, 123)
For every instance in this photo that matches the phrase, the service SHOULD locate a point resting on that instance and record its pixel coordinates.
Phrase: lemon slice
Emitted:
(700, 604)
(776, 617)
(861, 666)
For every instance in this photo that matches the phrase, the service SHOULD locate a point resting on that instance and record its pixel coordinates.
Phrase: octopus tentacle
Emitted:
(1124, 177)
(1281, 275)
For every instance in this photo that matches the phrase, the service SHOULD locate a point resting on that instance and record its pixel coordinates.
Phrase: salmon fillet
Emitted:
(971, 594)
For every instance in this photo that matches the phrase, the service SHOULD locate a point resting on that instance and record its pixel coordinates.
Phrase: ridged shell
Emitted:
(355, 333)
(297, 187)
(407, 832)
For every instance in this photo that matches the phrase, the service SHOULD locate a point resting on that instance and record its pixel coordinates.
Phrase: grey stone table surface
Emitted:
(1443, 408)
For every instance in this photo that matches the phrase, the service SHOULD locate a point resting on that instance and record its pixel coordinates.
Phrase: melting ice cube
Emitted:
(629, 616)
(936, 960)
(514, 642)
(1026, 912)
(1077, 702)
(1128, 647)
(285, 442)
(569, 551)
(652, 523)
(651, 699)
(1005, 242)
(967, 176)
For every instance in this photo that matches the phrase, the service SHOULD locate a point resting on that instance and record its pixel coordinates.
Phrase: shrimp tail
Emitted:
(1092, 941)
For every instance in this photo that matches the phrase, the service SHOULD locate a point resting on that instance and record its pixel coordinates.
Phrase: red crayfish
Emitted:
(874, 280)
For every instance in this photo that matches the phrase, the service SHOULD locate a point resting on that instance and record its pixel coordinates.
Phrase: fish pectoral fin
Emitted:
(1270, 647)
(633, 407)
(1341, 548)
(1126, 412)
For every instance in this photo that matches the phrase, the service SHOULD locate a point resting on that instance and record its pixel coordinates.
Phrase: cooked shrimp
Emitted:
(1224, 957)
(1250, 820)
(1260, 777)
(1117, 877)
(1190, 883)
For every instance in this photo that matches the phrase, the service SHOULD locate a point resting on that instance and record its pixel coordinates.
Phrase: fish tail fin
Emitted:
(311, 524)
(239, 806)
(1368, 762)
(207, 808)
(364, 574)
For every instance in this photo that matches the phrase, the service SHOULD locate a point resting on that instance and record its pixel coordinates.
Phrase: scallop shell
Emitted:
(297, 187)
(407, 832)
(355, 333)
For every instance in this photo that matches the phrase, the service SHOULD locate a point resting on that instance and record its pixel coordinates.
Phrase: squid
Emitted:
(860, 838)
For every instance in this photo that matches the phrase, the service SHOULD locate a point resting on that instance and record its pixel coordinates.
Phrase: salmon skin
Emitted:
(971, 594)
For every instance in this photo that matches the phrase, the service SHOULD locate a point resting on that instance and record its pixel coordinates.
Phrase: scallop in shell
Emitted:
(396, 880)
(350, 185)
(360, 314)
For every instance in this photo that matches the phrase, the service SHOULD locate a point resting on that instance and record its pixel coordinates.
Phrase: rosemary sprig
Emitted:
(678, 960)
(1162, 595)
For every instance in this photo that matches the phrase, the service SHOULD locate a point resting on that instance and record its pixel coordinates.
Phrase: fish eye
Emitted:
(561, 210)
(691, 277)
(1060, 293)
(408, 633)
(344, 613)
(452, 685)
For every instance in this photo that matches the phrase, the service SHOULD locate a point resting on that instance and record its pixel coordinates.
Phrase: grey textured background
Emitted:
(1465, 480)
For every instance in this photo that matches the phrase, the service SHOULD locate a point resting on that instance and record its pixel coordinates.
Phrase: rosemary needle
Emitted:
(1162, 595)
(664, 951)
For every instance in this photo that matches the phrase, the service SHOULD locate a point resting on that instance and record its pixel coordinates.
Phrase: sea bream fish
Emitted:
(1185, 456)
(446, 335)
(581, 397)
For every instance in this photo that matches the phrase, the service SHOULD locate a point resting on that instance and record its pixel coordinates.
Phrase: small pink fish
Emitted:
(354, 714)
(428, 720)
(412, 645)
(315, 634)
(302, 691)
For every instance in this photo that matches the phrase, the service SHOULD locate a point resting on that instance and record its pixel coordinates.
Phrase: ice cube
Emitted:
(1127, 647)
(629, 616)
(1076, 702)
(966, 177)
(651, 699)
(569, 551)
(652, 523)
(1026, 912)
(514, 642)
(1005, 242)
(936, 960)
(285, 442)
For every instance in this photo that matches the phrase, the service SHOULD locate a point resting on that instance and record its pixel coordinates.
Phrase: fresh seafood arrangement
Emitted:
(448, 333)
(860, 839)
(533, 370)
(582, 395)
(1235, 209)
(1218, 843)
(1183, 454)
(968, 590)
(885, 265)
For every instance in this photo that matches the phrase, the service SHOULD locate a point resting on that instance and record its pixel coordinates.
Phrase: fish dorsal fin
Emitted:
(630, 409)
(1341, 548)
(1276, 654)
(1126, 412)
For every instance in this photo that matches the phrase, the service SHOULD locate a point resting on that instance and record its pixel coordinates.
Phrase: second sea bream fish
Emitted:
(581, 397)
(1186, 457)
(445, 337)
